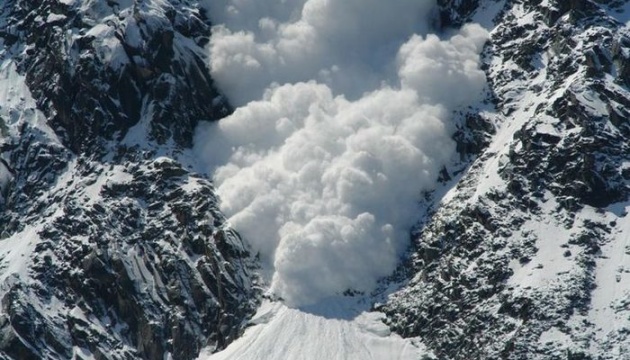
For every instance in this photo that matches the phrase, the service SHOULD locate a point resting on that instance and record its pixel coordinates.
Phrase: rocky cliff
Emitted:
(112, 246)
(523, 255)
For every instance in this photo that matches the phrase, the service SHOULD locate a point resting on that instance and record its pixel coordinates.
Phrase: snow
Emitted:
(487, 12)
(549, 260)
(523, 93)
(82, 353)
(554, 335)
(133, 37)
(108, 47)
(336, 329)
(609, 309)
(137, 134)
(593, 103)
(17, 106)
(322, 176)
(15, 252)
(55, 17)
(547, 127)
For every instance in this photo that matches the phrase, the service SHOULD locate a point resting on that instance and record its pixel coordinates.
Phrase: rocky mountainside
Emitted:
(524, 255)
(111, 246)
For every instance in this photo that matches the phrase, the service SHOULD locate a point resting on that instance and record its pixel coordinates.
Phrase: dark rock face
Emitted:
(97, 69)
(109, 249)
(514, 252)
(454, 13)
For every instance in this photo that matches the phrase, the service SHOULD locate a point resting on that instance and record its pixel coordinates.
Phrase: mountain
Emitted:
(113, 244)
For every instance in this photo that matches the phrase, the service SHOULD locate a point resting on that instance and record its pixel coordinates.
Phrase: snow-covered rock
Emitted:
(111, 246)
(522, 255)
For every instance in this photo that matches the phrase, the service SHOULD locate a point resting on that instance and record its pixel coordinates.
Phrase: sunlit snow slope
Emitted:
(333, 329)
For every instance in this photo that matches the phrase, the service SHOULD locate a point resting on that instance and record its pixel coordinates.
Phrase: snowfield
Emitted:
(334, 329)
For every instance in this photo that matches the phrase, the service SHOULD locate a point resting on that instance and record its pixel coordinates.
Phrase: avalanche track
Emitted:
(334, 329)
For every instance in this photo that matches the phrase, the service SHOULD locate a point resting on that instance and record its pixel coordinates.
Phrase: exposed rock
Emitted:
(110, 249)
(514, 250)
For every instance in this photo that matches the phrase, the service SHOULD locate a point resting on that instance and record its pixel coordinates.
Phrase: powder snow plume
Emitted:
(343, 119)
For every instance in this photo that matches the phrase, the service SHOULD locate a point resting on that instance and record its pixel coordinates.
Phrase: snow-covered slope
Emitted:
(332, 329)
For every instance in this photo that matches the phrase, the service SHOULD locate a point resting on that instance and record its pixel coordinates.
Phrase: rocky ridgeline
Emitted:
(508, 262)
(110, 246)
(97, 68)
(144, 268)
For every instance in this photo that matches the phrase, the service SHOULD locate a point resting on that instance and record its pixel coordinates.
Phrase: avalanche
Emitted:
(342, 124)
(323, 184)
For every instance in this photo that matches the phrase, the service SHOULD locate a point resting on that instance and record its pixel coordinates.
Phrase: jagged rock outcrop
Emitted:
(98, 68)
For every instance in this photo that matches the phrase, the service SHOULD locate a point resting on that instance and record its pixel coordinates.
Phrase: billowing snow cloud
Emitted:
(344, 121)
(346, 44)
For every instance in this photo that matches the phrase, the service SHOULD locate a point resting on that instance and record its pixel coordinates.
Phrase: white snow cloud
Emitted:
(344, 44)
(322, 174)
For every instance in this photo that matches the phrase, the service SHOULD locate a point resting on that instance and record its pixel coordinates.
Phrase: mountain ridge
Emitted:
(544, 195)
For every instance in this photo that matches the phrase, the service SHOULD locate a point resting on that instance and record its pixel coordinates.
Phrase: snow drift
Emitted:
(344, 120)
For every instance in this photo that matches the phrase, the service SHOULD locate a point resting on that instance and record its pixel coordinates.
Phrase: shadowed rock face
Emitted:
(514, 252)
(456, 12)
(110, 245)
